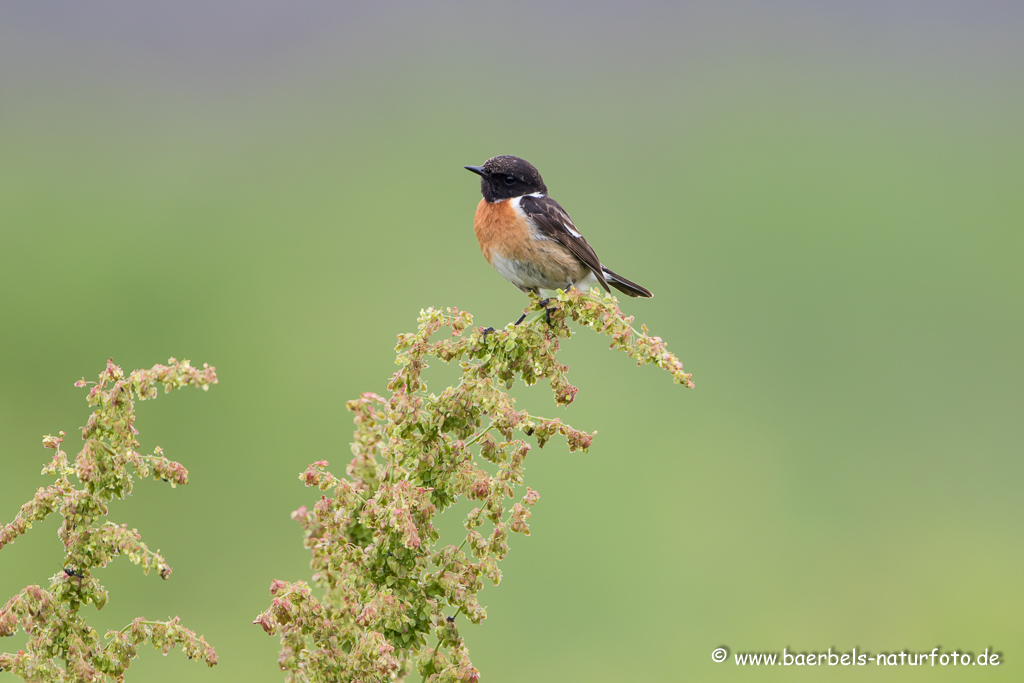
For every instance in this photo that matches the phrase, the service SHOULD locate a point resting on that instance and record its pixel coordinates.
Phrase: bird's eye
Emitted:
(510, 180)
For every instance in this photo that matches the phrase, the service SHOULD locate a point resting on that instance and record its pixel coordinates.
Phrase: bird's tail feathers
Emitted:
(625, 286)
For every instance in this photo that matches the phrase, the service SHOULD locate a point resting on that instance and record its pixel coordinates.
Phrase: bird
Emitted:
(530, 239)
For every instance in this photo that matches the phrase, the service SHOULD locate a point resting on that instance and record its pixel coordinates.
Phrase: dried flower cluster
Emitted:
(61, 645)
(391, 596)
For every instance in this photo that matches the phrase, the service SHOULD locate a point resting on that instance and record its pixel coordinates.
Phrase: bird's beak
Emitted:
(479, 170)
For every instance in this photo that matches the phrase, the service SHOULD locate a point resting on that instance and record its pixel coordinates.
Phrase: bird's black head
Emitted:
(507, 176)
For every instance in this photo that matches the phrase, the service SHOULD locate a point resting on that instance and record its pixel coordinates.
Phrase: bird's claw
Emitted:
(547, 311)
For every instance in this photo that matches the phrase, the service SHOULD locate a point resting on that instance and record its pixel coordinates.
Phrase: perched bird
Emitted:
(530, 239)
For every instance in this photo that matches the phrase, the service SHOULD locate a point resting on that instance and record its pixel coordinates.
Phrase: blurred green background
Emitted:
(826, 199)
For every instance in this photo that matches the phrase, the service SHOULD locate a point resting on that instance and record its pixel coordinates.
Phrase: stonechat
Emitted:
(530, 239)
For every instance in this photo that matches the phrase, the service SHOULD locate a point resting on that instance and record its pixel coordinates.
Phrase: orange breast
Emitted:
(501, 229)
(505, 232)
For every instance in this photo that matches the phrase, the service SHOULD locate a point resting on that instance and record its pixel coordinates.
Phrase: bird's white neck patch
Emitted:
(514, 201)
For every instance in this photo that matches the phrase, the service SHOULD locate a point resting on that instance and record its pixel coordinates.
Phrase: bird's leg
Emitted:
(487, 331)
(539, 302)
(547, 311)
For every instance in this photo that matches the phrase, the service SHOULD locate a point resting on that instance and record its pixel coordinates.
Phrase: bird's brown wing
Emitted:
(554, 222)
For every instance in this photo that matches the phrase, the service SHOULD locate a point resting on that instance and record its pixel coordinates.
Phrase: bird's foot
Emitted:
(547, 311)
